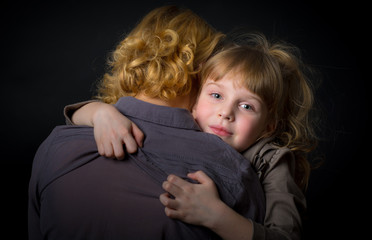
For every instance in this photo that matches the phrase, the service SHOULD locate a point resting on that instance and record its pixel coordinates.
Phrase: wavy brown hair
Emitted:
(160, 57)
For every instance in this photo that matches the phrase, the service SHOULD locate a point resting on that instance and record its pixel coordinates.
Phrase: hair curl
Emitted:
(160, 56)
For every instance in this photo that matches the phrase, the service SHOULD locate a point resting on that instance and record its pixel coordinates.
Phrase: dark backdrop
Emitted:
(53, 53)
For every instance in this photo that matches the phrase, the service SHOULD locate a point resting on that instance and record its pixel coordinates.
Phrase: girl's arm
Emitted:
(111, 129)
(199, 204)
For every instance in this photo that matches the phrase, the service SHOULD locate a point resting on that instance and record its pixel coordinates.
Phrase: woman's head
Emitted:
(274, 74)
(160, 56)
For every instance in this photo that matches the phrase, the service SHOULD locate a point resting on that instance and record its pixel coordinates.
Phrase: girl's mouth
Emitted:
(220, 131)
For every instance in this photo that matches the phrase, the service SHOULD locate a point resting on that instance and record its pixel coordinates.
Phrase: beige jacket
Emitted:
(284, 199)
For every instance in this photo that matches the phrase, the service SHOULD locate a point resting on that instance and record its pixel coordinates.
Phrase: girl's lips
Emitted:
(220, 131)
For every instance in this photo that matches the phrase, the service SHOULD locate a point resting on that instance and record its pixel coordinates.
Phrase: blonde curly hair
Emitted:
(160, 57)
(275, 72)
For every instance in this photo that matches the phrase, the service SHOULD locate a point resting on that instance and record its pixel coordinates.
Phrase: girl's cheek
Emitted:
(194, 112)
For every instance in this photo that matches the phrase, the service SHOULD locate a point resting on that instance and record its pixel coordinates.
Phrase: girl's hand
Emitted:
(192, 203)
(111, 129)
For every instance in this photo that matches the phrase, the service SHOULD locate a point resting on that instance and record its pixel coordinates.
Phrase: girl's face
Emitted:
(230, 111)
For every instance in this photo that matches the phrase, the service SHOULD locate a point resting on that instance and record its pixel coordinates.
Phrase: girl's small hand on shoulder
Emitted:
(192, 203)
(112, 130)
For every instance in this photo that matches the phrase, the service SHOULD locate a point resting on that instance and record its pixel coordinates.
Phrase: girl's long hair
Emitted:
(274, 71)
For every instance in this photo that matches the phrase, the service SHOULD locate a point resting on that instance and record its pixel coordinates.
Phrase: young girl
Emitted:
(254, 96)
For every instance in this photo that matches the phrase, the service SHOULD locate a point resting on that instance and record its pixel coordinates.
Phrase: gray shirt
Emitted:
(75, 193)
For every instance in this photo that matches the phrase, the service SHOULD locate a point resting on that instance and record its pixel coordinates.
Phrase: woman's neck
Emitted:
(179, 102)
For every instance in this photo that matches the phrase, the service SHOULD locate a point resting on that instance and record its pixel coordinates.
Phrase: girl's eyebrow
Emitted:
(212, 83)
(254, 97)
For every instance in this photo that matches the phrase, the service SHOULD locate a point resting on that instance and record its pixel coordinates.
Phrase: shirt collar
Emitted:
(167, 116)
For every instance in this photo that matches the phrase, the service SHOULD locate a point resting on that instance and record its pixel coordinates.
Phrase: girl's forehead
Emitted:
(231, 77)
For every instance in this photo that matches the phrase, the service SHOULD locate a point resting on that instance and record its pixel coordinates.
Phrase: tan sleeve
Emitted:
(69, 110)
(284, 199)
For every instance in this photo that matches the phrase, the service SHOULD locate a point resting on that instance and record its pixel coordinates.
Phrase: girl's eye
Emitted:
(246, 106)
(216, 95)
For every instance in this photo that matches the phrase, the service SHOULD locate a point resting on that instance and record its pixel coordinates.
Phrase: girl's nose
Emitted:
(226, 114)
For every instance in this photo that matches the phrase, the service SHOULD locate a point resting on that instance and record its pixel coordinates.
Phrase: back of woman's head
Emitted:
(160, 56)
(274, 71)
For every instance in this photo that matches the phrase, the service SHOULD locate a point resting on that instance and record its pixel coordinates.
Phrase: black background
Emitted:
(53, 53)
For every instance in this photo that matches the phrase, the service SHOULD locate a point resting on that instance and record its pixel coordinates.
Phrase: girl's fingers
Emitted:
(108, 150)
(200, 176)
(138, 135)
(167, 201)
(172, 188)
(129, 143)
(118, 150)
